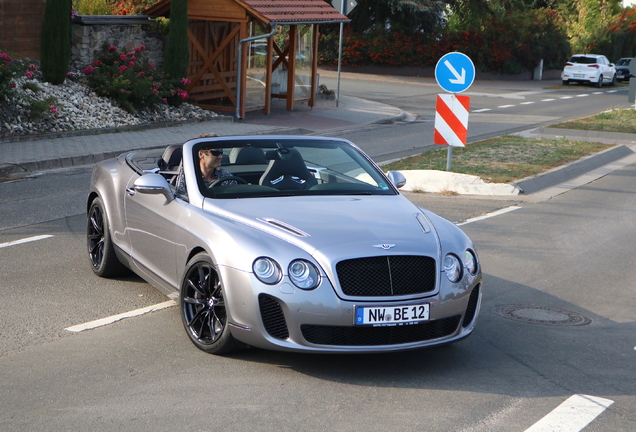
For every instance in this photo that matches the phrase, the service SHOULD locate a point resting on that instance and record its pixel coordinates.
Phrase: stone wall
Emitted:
(87, 42)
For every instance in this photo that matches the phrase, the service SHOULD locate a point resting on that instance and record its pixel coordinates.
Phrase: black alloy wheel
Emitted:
(101, 252)
(203, 308)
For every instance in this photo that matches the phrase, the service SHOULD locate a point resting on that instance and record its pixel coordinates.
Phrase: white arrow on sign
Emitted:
(459, 79)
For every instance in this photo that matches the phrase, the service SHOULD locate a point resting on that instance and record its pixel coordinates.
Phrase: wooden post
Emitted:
(291, 67)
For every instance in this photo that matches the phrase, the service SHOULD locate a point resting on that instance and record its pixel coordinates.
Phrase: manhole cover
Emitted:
(541, 315)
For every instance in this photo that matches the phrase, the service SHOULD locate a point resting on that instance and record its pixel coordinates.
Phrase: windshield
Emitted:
(623, 62)
(284, 167)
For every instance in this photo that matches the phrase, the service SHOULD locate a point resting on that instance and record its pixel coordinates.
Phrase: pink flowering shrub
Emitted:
(133, 82)
(8, 70)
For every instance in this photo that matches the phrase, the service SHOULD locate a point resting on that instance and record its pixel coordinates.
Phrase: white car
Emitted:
(589, 68)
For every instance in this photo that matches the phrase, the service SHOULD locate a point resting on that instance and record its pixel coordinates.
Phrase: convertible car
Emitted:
(300, 244)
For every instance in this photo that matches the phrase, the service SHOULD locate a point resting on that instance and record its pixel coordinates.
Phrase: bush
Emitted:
(9, 69)
(92, 7)
(132, 82)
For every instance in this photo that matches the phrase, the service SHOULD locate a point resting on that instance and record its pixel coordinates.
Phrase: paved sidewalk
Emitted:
(64, 150)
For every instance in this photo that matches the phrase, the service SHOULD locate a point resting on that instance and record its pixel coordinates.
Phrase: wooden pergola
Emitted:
(220, 43)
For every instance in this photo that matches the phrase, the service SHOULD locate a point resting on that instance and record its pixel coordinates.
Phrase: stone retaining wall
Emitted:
(87, 42)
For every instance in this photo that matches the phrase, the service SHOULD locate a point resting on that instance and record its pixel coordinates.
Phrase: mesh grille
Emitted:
(375, 336)
(387, 276)
(273, 317)
(472, 307)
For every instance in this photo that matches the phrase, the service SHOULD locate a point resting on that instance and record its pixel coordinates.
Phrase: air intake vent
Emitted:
(377, 336)
(282, 225)
(273, 317)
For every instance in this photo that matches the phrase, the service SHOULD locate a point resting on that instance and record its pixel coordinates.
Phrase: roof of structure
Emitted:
(293, 11)
(275, 11)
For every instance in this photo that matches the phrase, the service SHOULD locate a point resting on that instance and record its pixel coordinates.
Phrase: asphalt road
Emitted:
(567, 260)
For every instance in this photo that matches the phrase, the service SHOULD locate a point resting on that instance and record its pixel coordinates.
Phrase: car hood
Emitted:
(337, 226)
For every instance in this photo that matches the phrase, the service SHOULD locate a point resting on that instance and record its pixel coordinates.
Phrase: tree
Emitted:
(408, 16)
(55, 43)
(177, 53)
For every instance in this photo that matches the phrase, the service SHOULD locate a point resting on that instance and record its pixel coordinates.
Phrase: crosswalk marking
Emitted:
(572, 415)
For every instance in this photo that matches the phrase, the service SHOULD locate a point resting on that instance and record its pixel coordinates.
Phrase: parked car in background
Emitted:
(299, 244)
(622, 69)
(589, 68)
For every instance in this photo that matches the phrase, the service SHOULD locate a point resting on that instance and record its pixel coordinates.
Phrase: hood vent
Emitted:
(286, 227)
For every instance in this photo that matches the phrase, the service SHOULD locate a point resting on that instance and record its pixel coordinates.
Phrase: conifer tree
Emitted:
(55, 43)
(177, 54)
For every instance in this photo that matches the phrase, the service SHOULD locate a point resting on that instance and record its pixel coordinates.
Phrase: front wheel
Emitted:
(203, 307)
(101, 252)
(613, 83)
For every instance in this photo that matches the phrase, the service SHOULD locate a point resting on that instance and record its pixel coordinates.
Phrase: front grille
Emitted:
(472, 307)
(273, 317)
(377, 336)
(387, 275)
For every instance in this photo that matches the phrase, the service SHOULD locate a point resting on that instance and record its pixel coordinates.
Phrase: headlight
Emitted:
(470, 262)
(267, 270)
(304, 274)
(452, 268)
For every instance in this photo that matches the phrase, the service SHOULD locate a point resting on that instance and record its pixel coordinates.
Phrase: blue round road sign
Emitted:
(455, 72)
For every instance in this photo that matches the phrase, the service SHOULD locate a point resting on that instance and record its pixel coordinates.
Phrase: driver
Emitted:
(210, 164)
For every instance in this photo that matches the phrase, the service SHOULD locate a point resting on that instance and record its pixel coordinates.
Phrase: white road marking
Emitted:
(489, 215)
(505, 106)
(572, 415)
(109, 320)
(481, 110)
(526, 103)
(24, 240)
(582, 95)
(566, 97)
(547, 100)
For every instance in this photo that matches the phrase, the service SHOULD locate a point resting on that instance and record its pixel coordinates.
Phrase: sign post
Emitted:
(454, 73)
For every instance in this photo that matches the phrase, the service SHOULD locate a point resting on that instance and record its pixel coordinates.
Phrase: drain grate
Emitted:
(541, 315)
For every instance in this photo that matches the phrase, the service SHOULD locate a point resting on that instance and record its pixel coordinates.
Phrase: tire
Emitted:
(566, 82)
(101, 252)
(613, 83)
(203, 308)
(599, 84)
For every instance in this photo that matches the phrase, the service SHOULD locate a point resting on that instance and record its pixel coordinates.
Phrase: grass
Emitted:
(510, 158)
(616, 120)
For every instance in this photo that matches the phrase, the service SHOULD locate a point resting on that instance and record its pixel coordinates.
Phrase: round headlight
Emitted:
(267, 270)
(470, 262)
(304, 274)
(452, 268)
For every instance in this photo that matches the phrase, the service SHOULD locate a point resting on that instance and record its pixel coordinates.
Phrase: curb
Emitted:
(114, 129)
(564, 173)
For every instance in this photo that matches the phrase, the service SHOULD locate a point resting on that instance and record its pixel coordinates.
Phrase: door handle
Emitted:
(131, 191)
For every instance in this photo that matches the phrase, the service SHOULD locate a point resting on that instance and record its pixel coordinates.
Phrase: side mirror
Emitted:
(397, 178)
(153, 184)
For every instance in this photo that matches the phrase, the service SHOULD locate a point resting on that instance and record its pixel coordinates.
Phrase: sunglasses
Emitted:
(213, 152)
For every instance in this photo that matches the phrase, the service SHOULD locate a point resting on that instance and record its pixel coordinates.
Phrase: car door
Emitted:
(151, 222)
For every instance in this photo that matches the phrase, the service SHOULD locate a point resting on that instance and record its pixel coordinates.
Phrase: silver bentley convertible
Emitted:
(284, 242)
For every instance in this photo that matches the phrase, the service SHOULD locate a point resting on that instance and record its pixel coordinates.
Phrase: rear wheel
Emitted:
(203, 307)
(101, 252)
(599, 84)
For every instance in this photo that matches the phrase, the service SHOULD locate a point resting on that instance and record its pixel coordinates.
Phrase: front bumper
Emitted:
(282, 317)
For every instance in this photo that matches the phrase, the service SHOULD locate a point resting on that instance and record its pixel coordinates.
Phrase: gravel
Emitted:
(77, 107)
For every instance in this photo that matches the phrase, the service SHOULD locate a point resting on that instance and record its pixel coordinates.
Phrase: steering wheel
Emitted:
(221, 180)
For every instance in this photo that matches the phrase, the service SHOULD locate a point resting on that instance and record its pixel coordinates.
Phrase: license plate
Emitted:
(579, 75)
(392, 315)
